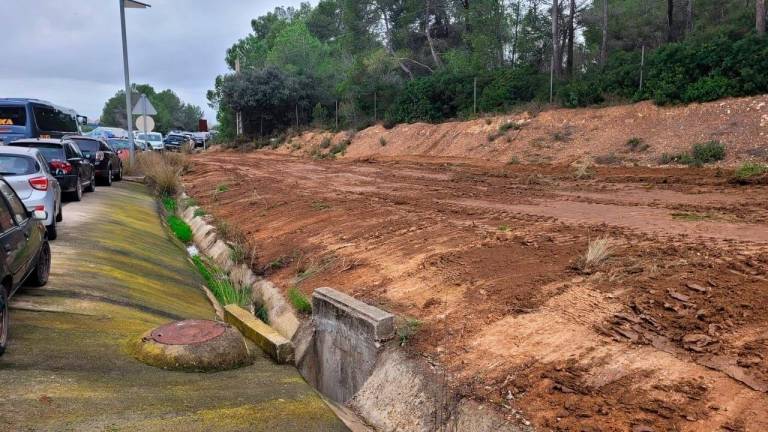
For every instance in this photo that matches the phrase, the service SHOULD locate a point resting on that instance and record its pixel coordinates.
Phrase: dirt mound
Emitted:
(620, 135)
(668, 332)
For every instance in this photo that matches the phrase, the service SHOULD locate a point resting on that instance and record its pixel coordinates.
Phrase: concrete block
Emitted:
(264, 336)
(327, 302)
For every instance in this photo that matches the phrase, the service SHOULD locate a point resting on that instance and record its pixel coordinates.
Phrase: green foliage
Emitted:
(299, 301)
(220, 284)
(750, 169)
(199, 212)
(579, 93)
(180, 229)
(169, 204)
(262, 314)
(636, 144)
(172, 112)
(708, 152)
(407, 330)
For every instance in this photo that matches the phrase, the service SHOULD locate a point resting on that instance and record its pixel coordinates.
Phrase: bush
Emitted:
(579, 93)
(180, 229)
(708, 152)
(750, 169)
(163, 171)
(636, 144)
(221, 286)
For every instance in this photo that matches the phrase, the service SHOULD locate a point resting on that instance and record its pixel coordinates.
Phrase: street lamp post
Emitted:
(132, 4)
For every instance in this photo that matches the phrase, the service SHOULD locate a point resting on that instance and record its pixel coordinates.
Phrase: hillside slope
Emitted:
(566, 135)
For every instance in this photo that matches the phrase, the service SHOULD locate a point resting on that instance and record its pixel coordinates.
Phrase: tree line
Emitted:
(172, 112)
(350, 63)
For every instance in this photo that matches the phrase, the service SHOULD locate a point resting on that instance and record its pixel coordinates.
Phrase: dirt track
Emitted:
(669, 333)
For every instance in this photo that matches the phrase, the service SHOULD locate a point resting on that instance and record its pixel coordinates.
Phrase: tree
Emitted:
(760, 16)
(604, 43)
(556, 56)
(670, 20)
(172, 113)
(571, 35)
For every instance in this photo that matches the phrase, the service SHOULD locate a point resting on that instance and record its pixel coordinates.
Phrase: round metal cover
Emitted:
(187, 332)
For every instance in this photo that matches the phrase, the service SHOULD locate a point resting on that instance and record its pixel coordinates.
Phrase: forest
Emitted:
(346, 64)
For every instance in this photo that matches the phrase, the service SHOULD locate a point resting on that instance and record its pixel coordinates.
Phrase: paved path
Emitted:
(115, 275)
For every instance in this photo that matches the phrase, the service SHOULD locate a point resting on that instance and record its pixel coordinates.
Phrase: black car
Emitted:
(174, 142)
(106, 161)
(74, 172)
(27, 256)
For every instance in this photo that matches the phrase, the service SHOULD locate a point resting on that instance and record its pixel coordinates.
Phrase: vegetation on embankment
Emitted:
(346, 65)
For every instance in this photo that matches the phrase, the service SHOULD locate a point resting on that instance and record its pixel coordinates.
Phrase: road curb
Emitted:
(264, 336)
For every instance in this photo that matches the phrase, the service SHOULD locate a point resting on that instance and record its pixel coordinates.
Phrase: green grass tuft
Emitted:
(180, 229)
(199, 212)
(299, 300)
(750, 169)
(221, 286)
(169, 203)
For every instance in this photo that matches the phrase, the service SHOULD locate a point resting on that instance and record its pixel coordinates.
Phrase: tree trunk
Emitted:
(517, 32)
(571, 31)
(388, 43)
(604, 44)
(689, 17)
(428, 31)
(670, 20)
(760, 16)
(556, 38)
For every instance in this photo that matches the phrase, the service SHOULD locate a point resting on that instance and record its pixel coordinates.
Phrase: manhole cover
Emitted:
(187, 332)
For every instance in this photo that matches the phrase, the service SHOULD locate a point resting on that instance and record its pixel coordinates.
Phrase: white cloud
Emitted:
(70, 52)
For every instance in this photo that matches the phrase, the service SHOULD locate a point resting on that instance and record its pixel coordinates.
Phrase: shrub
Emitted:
(608, 159)
(636, 144)
(299, 300)
(180, 229)
(340, 148)
(597, 251)
(325, 143)
(199, 212)
(382, 141)
(407, 330)
(748, 170)
(504, 128)
(708, 152)
(163, 171)
(579, 93)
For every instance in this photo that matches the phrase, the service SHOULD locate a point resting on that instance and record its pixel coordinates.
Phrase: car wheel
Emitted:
(4, 319)
(77, 195)
(108, 180)
(60, 214)
(39, 276)
(52, 232)
(119, 175)
(92, 185)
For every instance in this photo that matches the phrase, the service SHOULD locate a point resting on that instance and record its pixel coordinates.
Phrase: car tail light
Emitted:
(39, 183)
(60, 167)
(40, 207)
(99, 155)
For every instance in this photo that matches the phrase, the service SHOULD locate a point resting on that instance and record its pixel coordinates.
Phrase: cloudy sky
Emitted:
(69, 51)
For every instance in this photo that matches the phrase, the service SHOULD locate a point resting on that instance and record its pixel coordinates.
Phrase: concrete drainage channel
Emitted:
(343, 351)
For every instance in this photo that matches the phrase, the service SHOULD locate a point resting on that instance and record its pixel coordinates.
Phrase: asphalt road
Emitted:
(115, 275)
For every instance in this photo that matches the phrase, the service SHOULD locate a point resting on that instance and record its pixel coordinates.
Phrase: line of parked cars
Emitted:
(44, 158)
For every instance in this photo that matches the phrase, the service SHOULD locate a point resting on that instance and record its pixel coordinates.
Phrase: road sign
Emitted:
(144, 107)
(145, 123)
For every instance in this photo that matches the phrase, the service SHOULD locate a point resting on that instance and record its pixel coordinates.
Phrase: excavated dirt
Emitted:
(669, 332)
(562, 136)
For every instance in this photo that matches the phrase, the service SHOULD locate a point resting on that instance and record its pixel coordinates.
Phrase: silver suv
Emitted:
(25, 169)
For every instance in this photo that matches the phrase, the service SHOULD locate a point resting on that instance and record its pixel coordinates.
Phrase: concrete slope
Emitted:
(115, 275)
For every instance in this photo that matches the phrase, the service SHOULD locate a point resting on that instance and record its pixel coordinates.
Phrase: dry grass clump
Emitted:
(597, 252)
(583, 170)
(163, 171)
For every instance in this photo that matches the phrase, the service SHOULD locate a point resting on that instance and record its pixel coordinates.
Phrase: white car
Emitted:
(152, 140)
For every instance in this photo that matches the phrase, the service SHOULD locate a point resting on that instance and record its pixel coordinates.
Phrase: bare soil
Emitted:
(562, 136)
(670, 332)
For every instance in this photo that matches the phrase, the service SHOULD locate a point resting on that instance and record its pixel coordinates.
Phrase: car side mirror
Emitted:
(40, 215)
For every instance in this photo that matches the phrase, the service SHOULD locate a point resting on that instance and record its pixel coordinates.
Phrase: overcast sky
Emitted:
(69, 51)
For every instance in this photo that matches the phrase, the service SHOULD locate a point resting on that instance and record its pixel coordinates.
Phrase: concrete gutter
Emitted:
(264, 336)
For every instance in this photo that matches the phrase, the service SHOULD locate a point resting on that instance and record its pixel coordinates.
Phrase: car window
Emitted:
(13, 116)
(17, 165)
(54, 120)
(76, 150)
(6, 220)
(103, 146)
(90, 146)
(43, 163)
(18, 210)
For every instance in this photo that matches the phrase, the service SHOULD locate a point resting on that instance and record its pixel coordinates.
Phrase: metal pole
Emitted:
(375, 108)
(474, 97)
(144, 113)
(128, 106)
(337, 114)
(642, 64)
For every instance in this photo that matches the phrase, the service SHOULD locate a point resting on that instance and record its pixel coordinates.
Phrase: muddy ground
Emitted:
(669, 332)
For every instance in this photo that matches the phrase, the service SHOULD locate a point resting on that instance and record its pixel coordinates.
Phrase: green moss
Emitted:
(169, 203)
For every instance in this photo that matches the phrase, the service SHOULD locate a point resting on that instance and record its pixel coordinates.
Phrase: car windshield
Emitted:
(17, 165)
(119, 144)
(87, 146)
(49, 151)
(150, 137)
(54, 120)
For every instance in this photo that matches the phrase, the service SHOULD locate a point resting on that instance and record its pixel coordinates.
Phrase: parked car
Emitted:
(26, 170)
(152, 140)
(27, 256)
(174, 141)
(121, 146)
(107, 163)
(74, 172)
(33, 118)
